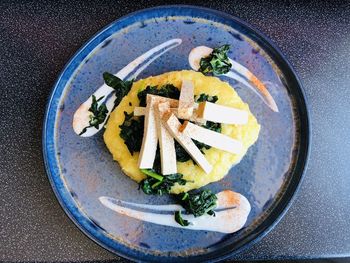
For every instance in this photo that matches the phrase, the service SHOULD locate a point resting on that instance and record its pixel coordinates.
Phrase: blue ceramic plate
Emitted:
(81, 169)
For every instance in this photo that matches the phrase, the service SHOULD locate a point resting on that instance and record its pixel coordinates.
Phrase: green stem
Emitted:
(185, 196)
(153, 174)
(156, 184)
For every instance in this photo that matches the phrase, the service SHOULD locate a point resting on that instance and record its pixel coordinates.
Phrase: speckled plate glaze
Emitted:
(81, 169)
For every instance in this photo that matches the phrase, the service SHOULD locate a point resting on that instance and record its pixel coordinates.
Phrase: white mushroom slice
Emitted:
(140, 111)
(166, 141)
(186, 100)
(212, 138)
(222, 114)
(150, 138)
(173, 125)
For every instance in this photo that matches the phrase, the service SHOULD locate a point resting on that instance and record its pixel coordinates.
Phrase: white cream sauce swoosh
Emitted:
(82, 115)
(238, 72)
(230, 216)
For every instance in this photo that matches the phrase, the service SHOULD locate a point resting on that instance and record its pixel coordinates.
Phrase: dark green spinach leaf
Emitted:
(205, 97)
(180, 220)
(131, 131)
(217, 63)
(156, 184)
(167, 90)
(99, 114)
(121, 87)
(198, 203)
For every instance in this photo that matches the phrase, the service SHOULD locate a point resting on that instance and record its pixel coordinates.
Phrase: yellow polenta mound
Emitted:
(221, 161)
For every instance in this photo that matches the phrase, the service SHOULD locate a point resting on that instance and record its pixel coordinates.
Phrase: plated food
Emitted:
(178, 132)
(124, 130)
(132, 219)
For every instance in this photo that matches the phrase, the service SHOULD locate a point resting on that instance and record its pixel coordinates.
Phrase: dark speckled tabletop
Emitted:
(37, 39)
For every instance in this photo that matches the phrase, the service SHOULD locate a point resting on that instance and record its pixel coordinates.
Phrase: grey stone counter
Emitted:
(38, 38)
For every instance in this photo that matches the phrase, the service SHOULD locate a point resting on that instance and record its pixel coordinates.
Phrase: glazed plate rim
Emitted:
(63, 196)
